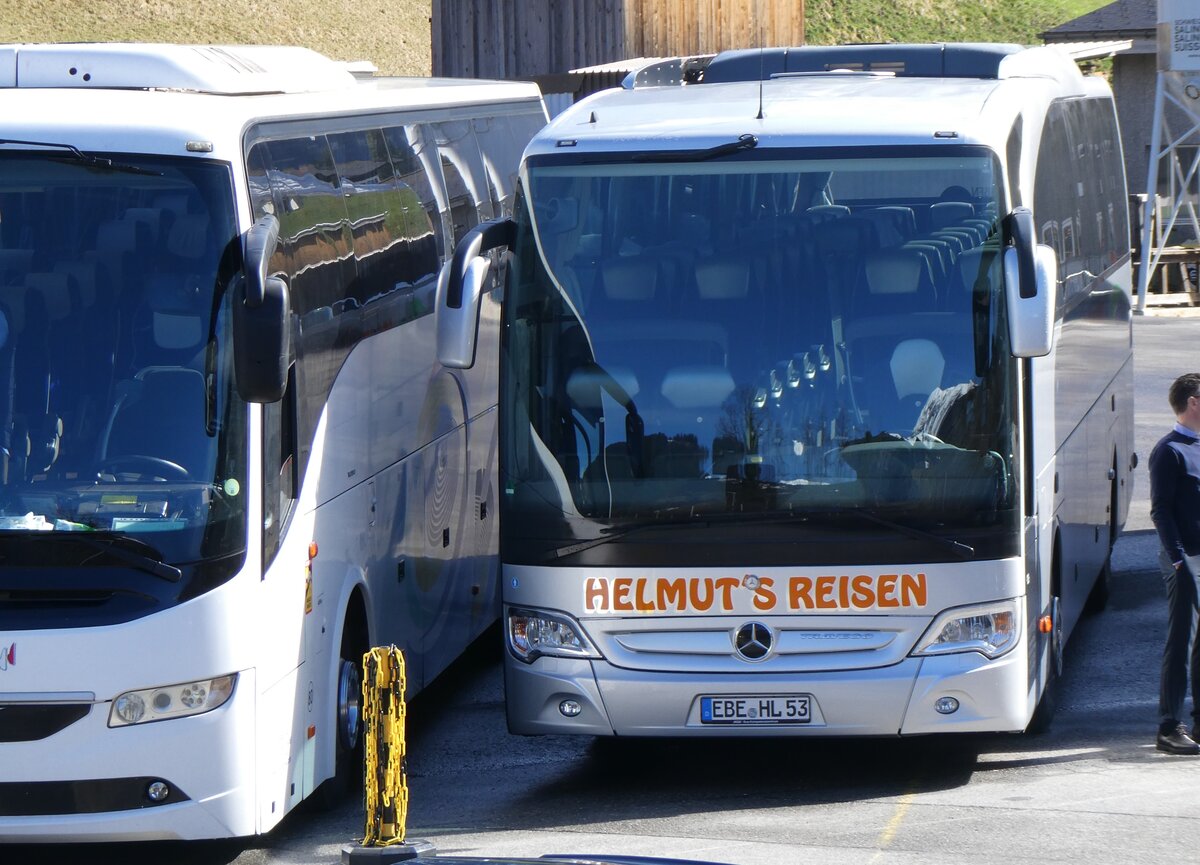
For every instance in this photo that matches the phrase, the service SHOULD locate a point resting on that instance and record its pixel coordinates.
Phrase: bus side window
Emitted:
(314, 229)
(375, 213)
(462, 168)
(1012, 152)
(394, 241)
(280, 470)
(502, 141)
(423, 229)
(261, 201)
(313, 225)
(1054, 195)
(415, 162)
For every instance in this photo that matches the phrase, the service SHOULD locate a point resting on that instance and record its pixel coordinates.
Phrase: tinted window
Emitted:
(464, 173)
(415, 162)
(502, 142)
(1079, 193)
(364, 220)
(376, 218)
(315, 236)
(312, 222)
(1012, 154)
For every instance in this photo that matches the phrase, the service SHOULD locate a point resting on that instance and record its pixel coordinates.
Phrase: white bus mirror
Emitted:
(460, 292)
(458, 326)
(1030, 288)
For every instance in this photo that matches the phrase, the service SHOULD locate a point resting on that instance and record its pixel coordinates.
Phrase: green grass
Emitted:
(394, 34)
(829, 22)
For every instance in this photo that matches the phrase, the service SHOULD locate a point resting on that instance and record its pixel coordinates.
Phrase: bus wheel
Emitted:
(1043, 715)
(348, 768)
(349, 707)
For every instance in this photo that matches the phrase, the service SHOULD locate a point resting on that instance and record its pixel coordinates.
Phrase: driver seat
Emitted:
(916, 367)
(160, 414)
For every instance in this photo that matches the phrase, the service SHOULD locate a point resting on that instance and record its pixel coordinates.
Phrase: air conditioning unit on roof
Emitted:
(227, 70)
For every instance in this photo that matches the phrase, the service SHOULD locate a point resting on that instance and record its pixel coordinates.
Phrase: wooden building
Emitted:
(531, 39)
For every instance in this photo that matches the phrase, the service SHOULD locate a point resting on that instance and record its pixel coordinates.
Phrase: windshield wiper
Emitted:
(963, 551)
(614, 532)
(86, 159)
(143, 562)
(744, 142)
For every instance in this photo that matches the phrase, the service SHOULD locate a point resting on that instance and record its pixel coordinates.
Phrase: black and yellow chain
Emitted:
(385, 788)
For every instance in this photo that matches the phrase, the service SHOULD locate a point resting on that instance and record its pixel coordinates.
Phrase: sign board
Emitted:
(1178, 36)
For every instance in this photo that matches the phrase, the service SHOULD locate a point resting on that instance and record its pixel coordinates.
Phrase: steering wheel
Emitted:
(146, 465)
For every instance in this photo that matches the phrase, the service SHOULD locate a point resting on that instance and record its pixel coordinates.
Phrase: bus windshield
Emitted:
(786, 344)
(117, 412)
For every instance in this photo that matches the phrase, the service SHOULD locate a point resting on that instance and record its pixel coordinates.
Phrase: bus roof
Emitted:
(815, 109)
(143, 98)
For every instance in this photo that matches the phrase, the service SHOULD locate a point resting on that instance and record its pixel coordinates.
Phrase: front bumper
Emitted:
(71, 777)
(993, 696)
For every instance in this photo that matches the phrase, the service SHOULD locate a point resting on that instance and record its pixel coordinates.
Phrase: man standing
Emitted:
(1175, 510)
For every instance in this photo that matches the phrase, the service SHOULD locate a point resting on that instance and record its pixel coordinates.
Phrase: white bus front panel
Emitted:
(860, 664)
(207, 761)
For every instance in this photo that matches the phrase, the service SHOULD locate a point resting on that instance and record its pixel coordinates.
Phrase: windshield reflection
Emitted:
(116, 408)
(758, 335)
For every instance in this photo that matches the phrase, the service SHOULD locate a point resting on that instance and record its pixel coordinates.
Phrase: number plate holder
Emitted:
(757, 709)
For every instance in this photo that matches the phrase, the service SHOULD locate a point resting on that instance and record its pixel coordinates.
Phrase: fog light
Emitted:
(946, 705)
(157, 791)
(569, 708)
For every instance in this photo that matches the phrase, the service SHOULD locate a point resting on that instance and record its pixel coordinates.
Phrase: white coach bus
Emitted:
(816, 409)
(232, 461)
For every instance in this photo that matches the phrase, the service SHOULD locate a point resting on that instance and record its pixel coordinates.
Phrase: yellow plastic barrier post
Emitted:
(385, 787)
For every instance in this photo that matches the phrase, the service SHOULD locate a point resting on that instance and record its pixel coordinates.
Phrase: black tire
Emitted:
(348, 771)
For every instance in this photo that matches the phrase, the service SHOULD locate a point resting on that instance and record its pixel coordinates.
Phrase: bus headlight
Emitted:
(535, 633)
(171, 701)
(990, 629)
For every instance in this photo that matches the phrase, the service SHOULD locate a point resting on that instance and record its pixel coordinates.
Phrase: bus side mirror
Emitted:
(460, 292)
(1030, 288)
(261, 319)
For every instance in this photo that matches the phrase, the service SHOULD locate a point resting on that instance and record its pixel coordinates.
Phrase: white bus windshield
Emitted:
(747, 340)
(117, 413)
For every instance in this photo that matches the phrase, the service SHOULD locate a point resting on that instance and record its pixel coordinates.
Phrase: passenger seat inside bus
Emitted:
(894, 282)
(895, 362)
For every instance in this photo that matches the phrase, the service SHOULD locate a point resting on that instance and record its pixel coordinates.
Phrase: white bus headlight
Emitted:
(990, 629)
(534, 633)
(171, 701)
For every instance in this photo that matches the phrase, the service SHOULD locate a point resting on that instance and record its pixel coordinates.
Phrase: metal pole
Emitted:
(1146, 267)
